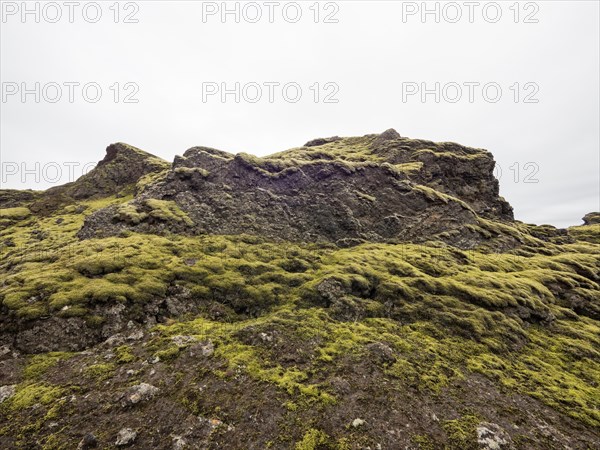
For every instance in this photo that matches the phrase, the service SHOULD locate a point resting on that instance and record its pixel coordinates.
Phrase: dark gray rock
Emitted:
(592, 218)
(88, 441)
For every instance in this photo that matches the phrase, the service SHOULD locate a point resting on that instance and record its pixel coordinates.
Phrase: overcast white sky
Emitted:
(372, 55)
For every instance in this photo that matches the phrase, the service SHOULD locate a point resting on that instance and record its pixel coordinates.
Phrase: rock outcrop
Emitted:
(378, 188)
(592, 218)
(119, 171)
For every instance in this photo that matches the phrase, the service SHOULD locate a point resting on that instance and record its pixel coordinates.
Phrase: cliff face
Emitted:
(378, 188)
(352, 293)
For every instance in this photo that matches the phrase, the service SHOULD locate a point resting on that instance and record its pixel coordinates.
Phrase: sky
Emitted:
(520, 79)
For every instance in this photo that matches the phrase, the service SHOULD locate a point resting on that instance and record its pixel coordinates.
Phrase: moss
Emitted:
(124, 354)
(444, 313)
(167, 211)
(437, 196)
(28, 395)
(354, 149)
(291, 406)
(100, 372)
(54, 442)
(409, 168)
(129, 213)
(168, 354)
(17, 213)
(99, 265)
(423, 442)
(461, 433)
(39, 364)
(586, 233)
(364, 196)
(313, 440)
(150, 178)
(187, 172)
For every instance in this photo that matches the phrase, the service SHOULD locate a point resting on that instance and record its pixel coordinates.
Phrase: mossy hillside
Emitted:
(445, 313)
(464, 328)
(588, 233)
(123, 167)
(557, 365)
(69, 277)
(35, 252)
(369, 148)
(470, 294)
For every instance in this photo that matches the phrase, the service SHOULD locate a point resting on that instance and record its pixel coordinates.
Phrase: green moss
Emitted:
(167, 211)
(129, 213)
(100, 372)
(313, 440)
(423, 442)
(54, 442)
(444, 313)
(409, 168)
(149, 179)
(39, 364)
(586, 233)
(187, 172)
(168, 354)
(18, 213)
(124, 354)
(28, 395)
(461, 433)
(364, 196)
(99, 264)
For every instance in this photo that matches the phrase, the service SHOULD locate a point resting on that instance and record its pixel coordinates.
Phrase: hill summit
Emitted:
(368, 292)
(375, 188)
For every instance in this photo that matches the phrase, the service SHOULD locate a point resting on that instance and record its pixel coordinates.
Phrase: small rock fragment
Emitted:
(381, 353)
(357, 423)
(88, 441)
(183, 341)
(179, 443)
(139, 393)
(7, 392)
(126, 436)
(202, 348)
(492, 437)
(4, 350)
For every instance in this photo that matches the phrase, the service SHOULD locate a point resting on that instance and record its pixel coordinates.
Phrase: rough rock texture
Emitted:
(492, 437)
(592, 218)
(6, 392)
(10, 198)
(402, 190)
(121, 168)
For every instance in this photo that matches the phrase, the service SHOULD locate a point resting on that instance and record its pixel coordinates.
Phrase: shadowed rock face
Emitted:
(122, 166)
(397, 190)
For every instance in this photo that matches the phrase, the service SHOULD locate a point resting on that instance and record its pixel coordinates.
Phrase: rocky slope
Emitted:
(368, 292)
